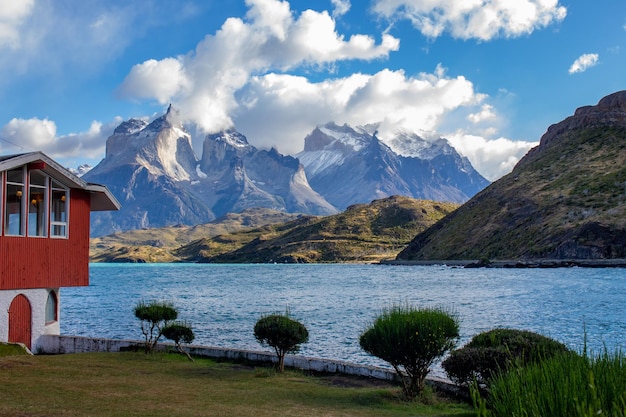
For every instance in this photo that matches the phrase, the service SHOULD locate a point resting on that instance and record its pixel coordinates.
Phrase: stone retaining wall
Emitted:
(55, 344)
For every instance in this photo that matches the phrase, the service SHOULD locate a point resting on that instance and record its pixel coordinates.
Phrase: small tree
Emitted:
(411, 340)
(282, 333)
(154, 317)
(179, 332)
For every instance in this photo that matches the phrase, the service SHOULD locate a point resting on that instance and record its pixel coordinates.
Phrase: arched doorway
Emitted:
(20, 320)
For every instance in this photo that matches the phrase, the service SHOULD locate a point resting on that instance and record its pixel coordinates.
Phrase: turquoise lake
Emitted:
(336, 301)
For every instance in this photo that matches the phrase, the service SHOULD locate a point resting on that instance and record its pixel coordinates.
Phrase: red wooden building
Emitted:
(44, 242)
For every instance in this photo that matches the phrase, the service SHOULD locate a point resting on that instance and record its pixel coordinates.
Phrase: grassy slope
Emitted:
(159, 244)
(363, 233)
(135, 384)
(547, 199)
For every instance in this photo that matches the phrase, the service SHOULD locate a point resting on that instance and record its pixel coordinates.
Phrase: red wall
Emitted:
(31, 262)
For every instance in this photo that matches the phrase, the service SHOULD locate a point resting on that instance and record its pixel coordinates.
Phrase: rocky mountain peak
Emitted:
(130, 126)
(610, 111)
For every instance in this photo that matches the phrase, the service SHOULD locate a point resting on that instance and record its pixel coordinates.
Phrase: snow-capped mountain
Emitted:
(153, 171)
(80, 170)
(236, 175)
(351, 165)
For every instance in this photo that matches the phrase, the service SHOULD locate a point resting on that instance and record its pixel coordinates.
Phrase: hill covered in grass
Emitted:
(363, 233)
(566, 199)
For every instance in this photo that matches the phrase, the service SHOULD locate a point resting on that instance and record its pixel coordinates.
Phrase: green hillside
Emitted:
(363, 233)
(566, 199)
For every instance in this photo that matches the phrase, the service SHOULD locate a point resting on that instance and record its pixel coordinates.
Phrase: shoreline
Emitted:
(515, 263)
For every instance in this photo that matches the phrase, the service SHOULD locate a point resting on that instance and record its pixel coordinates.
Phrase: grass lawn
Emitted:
(136, 384)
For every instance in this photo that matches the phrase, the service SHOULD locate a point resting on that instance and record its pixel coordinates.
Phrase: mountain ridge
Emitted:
(153, 171)
(566, 199)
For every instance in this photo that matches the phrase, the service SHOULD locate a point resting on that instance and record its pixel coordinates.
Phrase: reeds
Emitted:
(567, 385)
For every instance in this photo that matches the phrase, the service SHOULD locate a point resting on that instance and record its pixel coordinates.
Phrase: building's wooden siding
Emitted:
(31, 262)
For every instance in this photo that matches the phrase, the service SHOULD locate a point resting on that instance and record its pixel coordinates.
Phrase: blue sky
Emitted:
(489, 75)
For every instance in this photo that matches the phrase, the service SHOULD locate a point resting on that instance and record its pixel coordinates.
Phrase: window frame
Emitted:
(64, 224)
(55, 300)
(42, 231)
(23, 214)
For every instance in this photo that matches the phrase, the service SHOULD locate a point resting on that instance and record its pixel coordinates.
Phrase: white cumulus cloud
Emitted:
(493, 158)
(204, 82)
(27, 135)
(474, 19)
(583, 63)
(486, 113)
(341, 7)
(388, 98)
(12, 14)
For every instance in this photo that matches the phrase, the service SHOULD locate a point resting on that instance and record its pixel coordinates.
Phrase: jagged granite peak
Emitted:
(411, 144)
(148, 166)
(162, 146)
(243, 176)
(565, 199)
(130, 126)
(352, 165)
(333, 137)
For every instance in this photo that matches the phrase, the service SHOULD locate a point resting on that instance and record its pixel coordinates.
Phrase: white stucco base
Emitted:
(37, 298)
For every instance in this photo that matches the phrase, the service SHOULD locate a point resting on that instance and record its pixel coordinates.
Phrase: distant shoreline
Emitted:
(518, 263)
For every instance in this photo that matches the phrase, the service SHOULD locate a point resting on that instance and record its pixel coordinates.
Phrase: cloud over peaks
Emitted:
(204, 82)
(475, 19)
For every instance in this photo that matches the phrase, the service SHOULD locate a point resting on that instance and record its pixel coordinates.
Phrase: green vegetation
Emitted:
(282, 333)
(565, 199)
(411, 340)
(154, 317)
(497, 350)
(10, 349)
(566, 385)
(161, 385)
(179, 332)
(363, 233)
(160, 245)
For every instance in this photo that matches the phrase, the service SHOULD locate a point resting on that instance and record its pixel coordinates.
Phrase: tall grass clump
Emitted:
(568, 385)
(410, 340)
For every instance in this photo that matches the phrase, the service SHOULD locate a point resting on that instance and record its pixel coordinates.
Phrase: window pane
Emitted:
(58, 214)
(13, 221)
(58, 230)
(37, 178)
(16, 176)
(51, 307)
(37, 212)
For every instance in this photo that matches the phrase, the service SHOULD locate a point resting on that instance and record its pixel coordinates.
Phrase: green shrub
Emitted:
(179, 332)
(282, 333)
(497, 350)
(154, 317)
(411, 340)
(567, 385)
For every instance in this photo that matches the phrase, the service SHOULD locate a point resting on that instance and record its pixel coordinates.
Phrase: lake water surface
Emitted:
(336, 301)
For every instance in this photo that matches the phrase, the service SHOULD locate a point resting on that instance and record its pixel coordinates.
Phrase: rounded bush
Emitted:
(179, 333)
(282, 333)
(497, 350)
